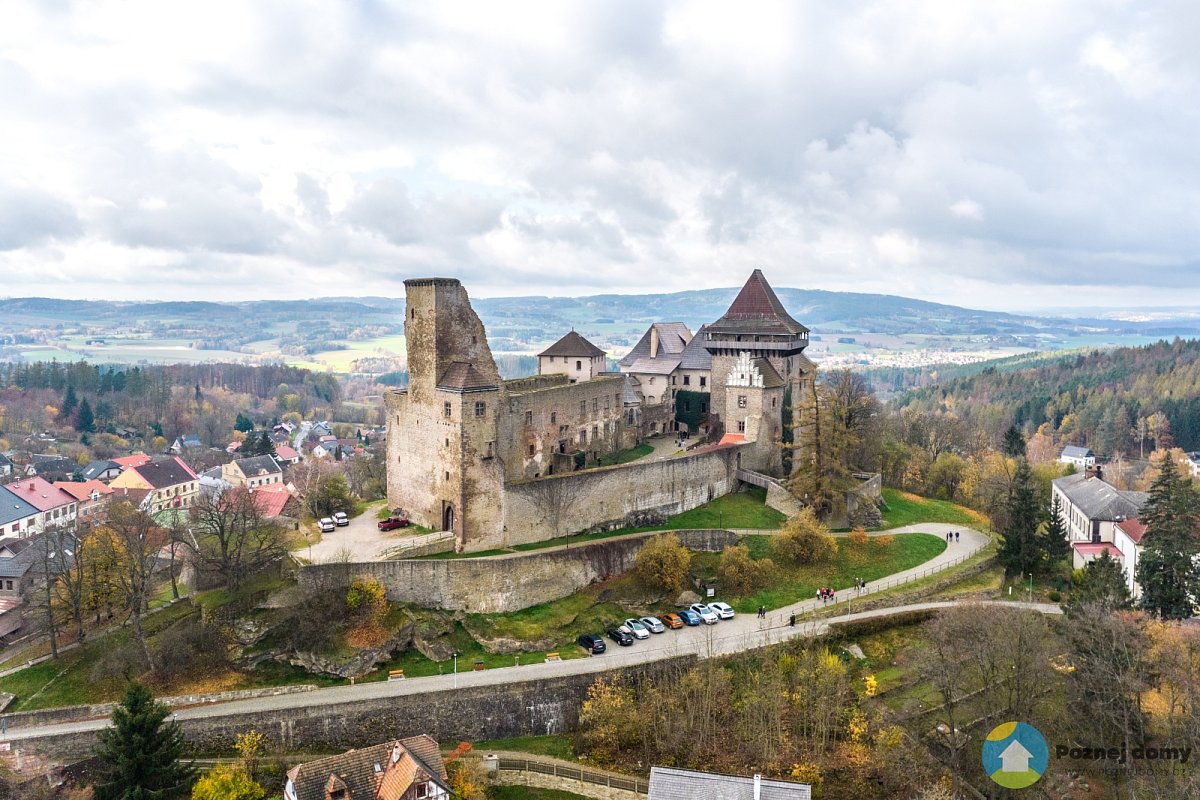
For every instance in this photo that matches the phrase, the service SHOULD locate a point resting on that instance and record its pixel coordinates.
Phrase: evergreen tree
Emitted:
(1014, 443)
(1167, 570)
(199, 394)
(141, 753)
(243, 424)
(1053, 540)
(1101, 584)
(69, 404)
(86, 421)
(1020, 551)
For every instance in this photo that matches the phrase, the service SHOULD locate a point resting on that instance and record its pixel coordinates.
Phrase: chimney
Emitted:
(654, 341)
(757, 786)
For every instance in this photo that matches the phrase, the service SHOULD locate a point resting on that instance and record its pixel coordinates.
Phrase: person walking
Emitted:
(956, 536)
(792, 620)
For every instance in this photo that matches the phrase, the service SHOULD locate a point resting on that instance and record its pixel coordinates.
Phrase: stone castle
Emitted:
(502, 462)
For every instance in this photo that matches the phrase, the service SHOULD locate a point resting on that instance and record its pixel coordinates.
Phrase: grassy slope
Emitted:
(903, 508)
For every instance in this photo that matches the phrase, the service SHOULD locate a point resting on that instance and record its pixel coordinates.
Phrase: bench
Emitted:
(395, 674)
(552, 657)
(478, 666)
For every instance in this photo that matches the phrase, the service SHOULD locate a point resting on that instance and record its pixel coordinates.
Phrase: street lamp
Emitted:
(455, 669)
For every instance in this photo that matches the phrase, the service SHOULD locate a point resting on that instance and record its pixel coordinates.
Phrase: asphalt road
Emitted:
(744, 632)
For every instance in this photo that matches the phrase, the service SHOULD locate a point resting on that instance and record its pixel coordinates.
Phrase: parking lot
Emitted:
(361, 540)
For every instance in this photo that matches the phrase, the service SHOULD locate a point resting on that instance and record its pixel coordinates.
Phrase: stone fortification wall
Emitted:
(533, 707)
(561, 504)
(510, 583)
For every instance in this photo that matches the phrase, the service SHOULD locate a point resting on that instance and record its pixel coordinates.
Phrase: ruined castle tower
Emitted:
(443, 468)
(758, 367)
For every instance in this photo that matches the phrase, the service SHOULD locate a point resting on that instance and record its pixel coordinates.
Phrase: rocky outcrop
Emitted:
(362, 662)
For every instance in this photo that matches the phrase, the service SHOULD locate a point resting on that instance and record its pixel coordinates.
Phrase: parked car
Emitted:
(635, 627)
(688, 616)
(591, 642)
(706, 614)
(326, 525)
(340, 519)
(620, 636)
(392, 523)
(652, 625)
(724, 610)
(671, 620)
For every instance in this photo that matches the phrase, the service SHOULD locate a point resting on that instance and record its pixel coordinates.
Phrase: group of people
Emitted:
(826, 595)
(952, 536)
(762, 612)
(860, 585)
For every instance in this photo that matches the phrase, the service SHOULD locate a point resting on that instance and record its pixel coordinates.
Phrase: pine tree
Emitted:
(1014, 443)
(243, 424)
(265, 445)
(1020, 552)
(1101, 585)
(141, 753)
(1167, 570)
(87, 420)
(1053, 539)
(69, 404)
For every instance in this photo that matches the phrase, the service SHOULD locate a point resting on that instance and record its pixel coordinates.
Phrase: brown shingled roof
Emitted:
(463, 377)
(572, 345)
(757, 309)
(355, 769)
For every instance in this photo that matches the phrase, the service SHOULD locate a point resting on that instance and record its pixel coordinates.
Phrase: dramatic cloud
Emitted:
(1006, 156)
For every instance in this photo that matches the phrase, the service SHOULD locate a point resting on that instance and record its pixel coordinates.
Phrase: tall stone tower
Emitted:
(443, 468)
(757, 346)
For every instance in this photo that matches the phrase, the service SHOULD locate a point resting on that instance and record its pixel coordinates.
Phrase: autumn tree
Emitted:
(133, 541)
(227, 782)
(1167, 570)
(607, 723)
(741, 575)
(663, 562)
(230, 537)
(1100, 585)
(804, 539)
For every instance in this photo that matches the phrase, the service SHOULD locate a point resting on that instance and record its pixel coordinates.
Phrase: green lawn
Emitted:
(553, 746)
(904, 508)
(796, 583)
(625, 456)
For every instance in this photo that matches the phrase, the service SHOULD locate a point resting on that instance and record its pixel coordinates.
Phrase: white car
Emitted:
(707, 615)
(326, 525)
(636, 628)
(653, 625)
(340, 519)
(724, 611)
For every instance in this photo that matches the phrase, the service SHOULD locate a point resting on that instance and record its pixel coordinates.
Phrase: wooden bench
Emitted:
(552, 657)
(478, 666)
(395, 675)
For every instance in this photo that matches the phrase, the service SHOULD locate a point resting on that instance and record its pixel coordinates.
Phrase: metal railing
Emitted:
(574, 773)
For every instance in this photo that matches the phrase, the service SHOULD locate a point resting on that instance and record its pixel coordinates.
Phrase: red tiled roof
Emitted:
(732, 438)
(757, 309)
(135, 460)
(270, 500)
(83, 490)
(286, 453)
(40, 494)
(1134, 529)
(1093, 549)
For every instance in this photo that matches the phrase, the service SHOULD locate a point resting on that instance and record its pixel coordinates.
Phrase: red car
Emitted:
(671, 620)
(392, 523)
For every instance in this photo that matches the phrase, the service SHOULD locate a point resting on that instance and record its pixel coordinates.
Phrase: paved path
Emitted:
(744, 632)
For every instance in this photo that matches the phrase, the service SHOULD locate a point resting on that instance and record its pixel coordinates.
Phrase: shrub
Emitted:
(189, 647)
(1055, 597)
(366, 594)
(741, 575)
(858, 538)
(805, 540)
(663, 562)
(313, 621)
(885, 541)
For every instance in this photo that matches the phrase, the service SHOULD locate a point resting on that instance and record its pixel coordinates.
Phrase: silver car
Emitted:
(636, 628)
(653, 625)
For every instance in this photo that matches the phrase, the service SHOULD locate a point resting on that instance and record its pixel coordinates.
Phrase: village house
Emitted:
(286, 455)
(169, 482)
(1100, 518)
(406, 769)
(1081, 457)
(17, 517)
(6, 466)
(274, 501)
(186, 443)
(104, 470)
(52, 467)
(17, 557)
(56, 507)
(254, 471)
(92, 498)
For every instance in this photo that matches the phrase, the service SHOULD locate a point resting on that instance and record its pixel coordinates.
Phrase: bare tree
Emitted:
(231, 537)
(133, 540)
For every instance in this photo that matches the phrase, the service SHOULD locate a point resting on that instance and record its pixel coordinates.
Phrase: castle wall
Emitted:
(542, 414)
(502, 584)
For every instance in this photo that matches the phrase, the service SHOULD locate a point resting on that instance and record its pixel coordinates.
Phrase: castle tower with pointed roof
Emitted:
(758, 367)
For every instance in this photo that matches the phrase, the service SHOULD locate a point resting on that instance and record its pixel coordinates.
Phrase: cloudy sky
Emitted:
(994, 155)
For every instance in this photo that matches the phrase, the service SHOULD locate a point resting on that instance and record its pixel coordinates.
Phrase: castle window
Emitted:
(553, 417)
(652, 381)
(741, 426)
(582, 408)
(673, 380)
(703, 381)
(447, 442)
(595, 404)
(687, 380)
(741, 401)
(480, 409)
(583, 436)
(447, 476)
(445, 409)
(490, 450)
(528, 417)
(774, 402)
(531, 451)
(578, 365)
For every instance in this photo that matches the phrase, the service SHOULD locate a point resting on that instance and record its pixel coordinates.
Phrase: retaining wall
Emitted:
(507, 583)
